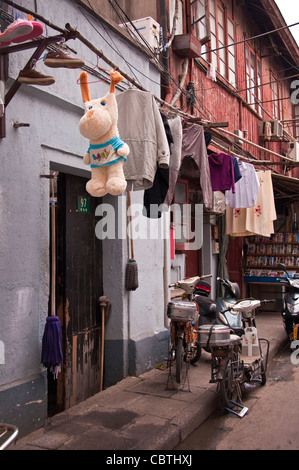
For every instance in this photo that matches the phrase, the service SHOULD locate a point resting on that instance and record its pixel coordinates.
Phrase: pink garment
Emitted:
(222, 172)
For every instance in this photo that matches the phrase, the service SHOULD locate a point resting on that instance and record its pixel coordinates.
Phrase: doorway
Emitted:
(78, 288)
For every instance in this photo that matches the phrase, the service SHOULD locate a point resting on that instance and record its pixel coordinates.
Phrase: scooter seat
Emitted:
(235, 339)
(239, 331)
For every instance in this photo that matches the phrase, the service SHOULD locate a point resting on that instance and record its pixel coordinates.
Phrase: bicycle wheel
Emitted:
(179, 360)
(263, 374)
(230, 385)
(196, 352)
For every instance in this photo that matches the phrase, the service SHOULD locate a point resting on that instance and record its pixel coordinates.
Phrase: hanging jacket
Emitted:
(140, 125)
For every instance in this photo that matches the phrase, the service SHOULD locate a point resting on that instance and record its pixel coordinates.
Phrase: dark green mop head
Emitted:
(131, 275)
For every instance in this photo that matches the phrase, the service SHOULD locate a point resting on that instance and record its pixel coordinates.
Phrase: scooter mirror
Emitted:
(213, 308)
(281, 266)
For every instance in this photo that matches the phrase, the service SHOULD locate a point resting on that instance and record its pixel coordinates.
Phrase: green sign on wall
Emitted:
(83, 204)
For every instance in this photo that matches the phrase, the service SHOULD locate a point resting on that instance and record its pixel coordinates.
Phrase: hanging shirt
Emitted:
(257, 220)
(106, 153)
(246, 188)
(222, 172)
(140, 125)
(194, 146)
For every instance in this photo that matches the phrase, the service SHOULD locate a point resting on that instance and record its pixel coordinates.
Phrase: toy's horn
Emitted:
(116, 77)
(83, 78)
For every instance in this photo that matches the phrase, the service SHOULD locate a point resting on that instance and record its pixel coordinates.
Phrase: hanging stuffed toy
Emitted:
(107, 152)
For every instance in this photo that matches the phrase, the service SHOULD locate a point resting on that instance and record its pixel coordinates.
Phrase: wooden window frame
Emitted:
(220, 56)
(276, 97)
(190, 23)
(253, 95)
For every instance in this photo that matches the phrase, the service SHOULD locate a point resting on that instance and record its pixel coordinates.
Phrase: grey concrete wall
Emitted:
(53, 141)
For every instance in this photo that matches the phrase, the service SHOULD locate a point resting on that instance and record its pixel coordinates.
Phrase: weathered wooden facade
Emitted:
(233, 72)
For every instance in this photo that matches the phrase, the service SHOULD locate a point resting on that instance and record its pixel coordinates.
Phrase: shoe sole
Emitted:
(56, 63)
(37, 31)
(27, 81)
(16, 31)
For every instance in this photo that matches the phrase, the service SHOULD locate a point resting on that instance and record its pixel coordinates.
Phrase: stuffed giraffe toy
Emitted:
(107, 152)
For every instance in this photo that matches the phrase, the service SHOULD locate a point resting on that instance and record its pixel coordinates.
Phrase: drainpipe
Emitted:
(166, 225)
(165, 53)
(166, 264)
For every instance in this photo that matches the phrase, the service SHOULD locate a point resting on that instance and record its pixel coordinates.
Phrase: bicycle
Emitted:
(237, 359)
(183, 315)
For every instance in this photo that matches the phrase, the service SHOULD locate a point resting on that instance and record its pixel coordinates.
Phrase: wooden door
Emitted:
(79, 271)
(234, 258)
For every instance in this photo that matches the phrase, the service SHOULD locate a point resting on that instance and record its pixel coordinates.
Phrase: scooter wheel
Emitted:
(196, 353)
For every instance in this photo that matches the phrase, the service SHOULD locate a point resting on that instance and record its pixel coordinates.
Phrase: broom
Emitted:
(52, 355)
(132, 268)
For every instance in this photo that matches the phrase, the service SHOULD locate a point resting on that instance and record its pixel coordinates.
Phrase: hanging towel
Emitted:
(211, 73)
(257, 220)
(267, 130)
(140, 125)
(246, 188)
(222, 172)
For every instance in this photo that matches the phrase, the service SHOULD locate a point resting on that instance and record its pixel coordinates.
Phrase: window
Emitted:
(180, 18)
(200, 25)
(209, 20)
(253, 79)
(276, 89)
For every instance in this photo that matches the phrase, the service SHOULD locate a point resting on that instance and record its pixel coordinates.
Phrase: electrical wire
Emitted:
(177, 85)
(250, 39)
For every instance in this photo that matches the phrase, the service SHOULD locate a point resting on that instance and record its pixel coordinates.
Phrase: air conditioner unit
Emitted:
(293, 151)
(239, 133)
(271, 129)
(148, 28)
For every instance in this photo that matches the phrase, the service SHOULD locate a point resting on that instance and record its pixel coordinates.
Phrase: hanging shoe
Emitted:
(16, 29)
(4, 44)
(33, 77)
(62, 59)
(37, 30)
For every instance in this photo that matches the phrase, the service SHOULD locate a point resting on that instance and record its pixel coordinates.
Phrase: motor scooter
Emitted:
(237, 354)
(210, 311)
(231, 295)
(290, 310)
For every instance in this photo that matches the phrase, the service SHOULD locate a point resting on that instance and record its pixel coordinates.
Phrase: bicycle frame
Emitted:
(241, 361)
(4, 429)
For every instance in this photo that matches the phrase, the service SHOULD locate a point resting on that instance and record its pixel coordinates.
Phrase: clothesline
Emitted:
(173, 109)
(100, 53)
(256, 145)
(164, 103)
